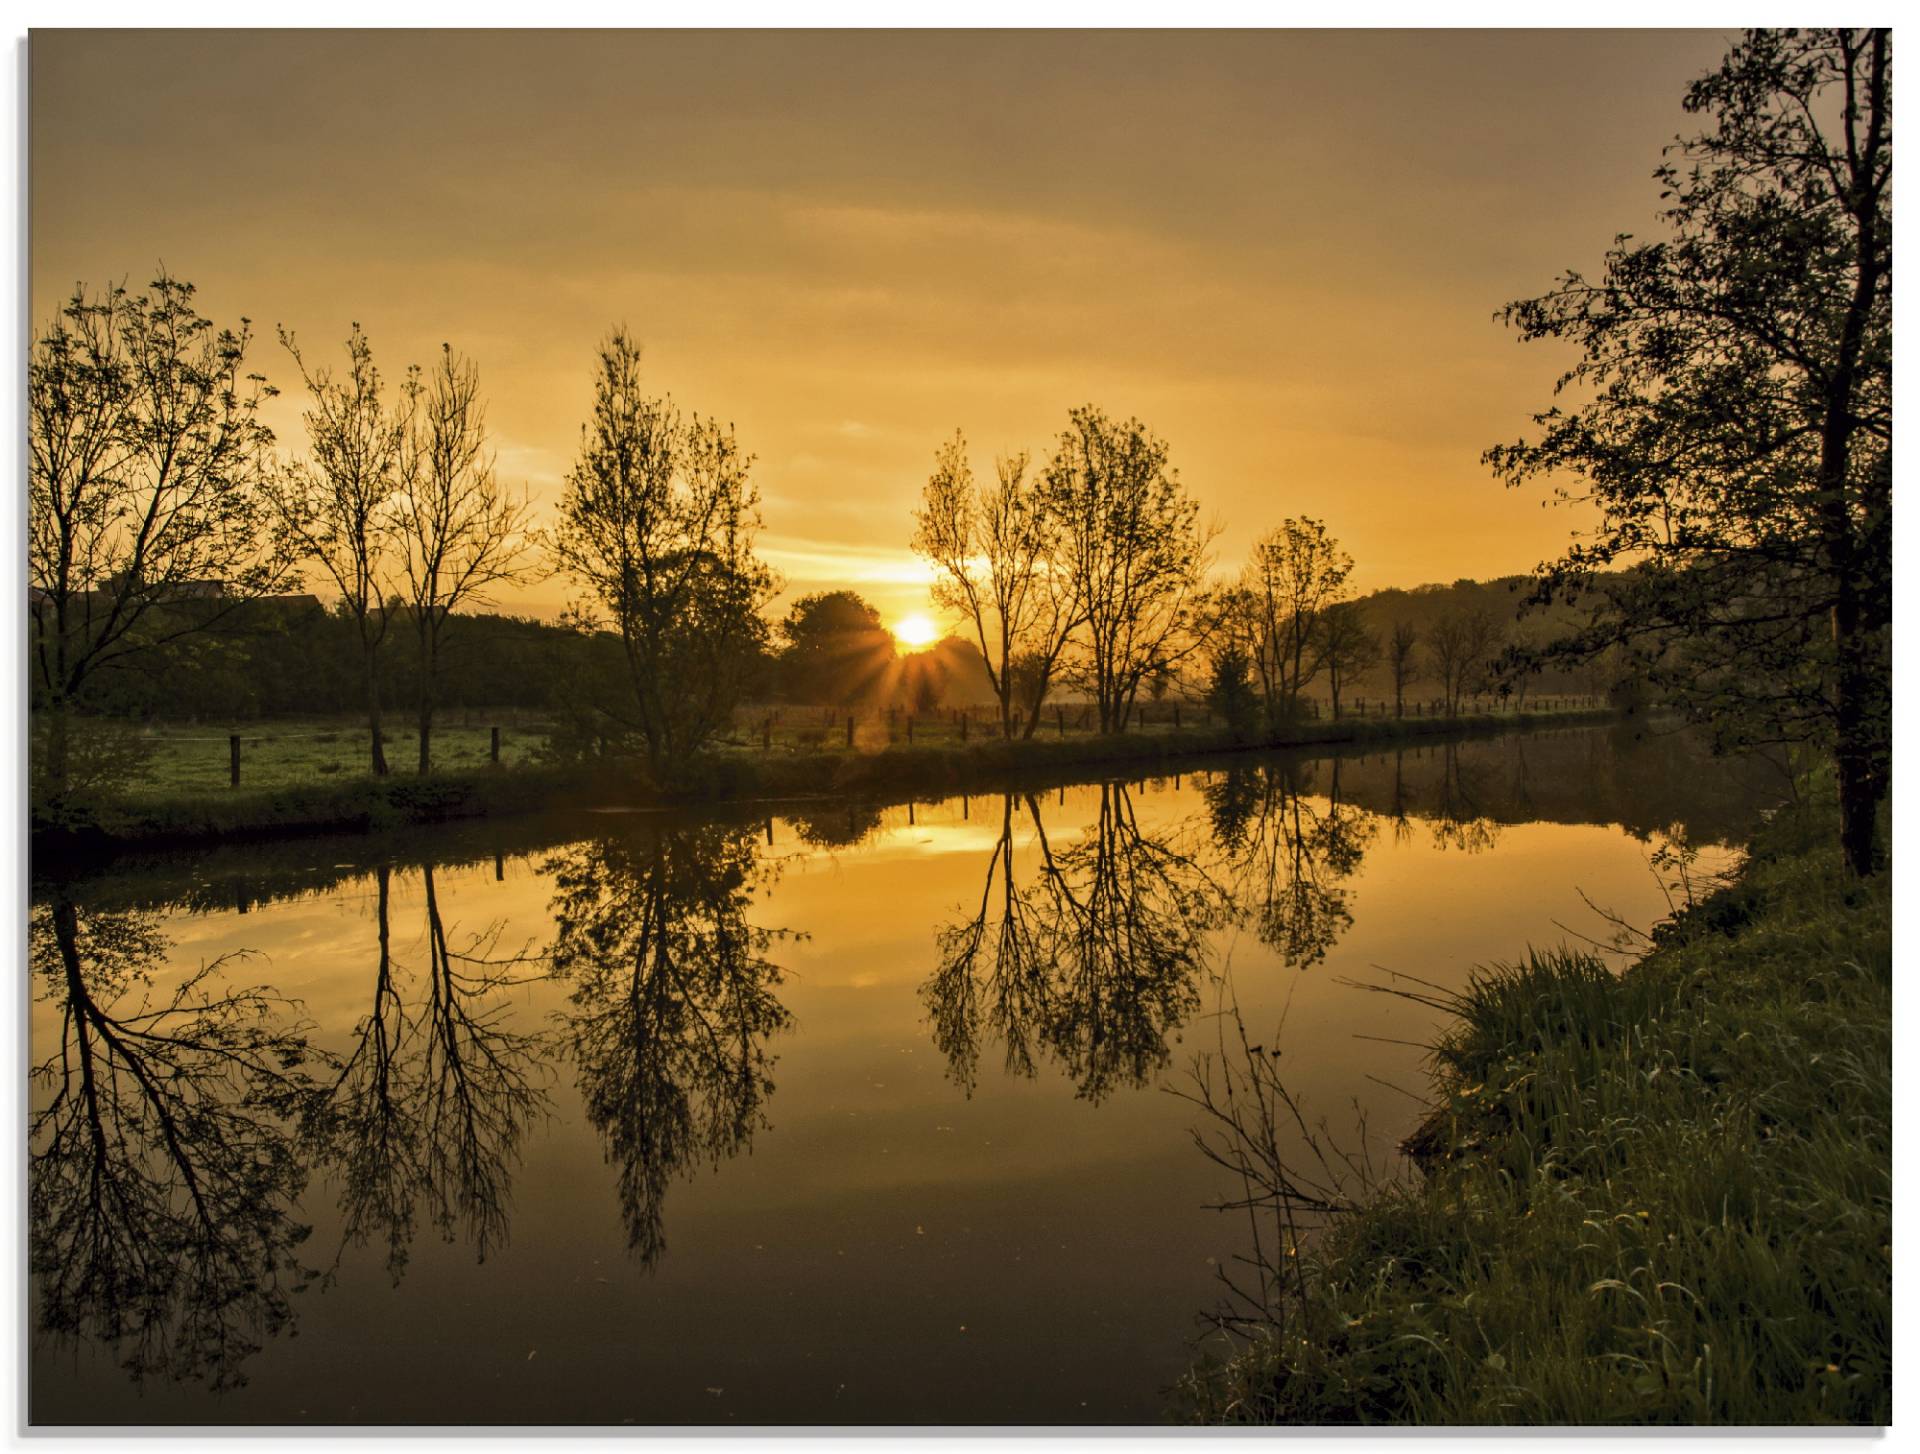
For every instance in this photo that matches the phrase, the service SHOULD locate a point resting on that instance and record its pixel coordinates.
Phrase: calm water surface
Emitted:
(844, 1116)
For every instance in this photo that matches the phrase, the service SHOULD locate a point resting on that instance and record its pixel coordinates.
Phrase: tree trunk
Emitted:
(372, 682)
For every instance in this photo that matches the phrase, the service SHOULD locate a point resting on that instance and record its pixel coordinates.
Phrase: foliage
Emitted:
(1662, 1197)
(143, 442)
(657, 521)
(998, 554)
(1132, 552)
(1732, 426)
(834, 651)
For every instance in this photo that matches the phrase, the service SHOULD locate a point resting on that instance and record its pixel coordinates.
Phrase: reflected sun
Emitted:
(915, 632)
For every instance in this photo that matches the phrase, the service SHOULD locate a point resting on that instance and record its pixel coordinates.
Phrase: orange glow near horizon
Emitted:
(915, 632)
(847, 243)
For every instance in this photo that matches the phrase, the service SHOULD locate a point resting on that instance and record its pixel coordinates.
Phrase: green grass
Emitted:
(189, 760)
(311, 777)
(1662, 1197)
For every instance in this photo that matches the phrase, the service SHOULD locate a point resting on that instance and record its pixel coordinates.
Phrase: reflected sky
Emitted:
(721, 1120)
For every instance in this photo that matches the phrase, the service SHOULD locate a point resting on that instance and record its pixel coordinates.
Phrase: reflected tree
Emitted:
(430, 1107)
(1289, 855)
(674, 999)
(163, 1155)
(1458, 820)
(1096, 960)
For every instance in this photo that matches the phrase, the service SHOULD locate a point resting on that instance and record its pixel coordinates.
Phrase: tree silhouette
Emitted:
(1095, 960)
(1289, 859)
(163, 1165)
(428, 1111)
(674, 999)
(1734, 438)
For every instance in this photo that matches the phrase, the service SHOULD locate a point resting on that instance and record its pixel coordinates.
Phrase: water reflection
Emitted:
(175, 1129)
(673, 1001)
(432, 1101)
(163, 1163)
(1095, 959)
(1290, 854)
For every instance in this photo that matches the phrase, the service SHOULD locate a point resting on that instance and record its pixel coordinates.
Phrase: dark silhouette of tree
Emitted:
(1457, 819)
(673, 1002)
(429, 1109)
(835, 650)
(1736, 436)
(336, 510)
(1096, 960)
(1133, 554)
(1460, 649)
(1295, 573)
(1347, 646)
(1403, 665)
(460, 532)
(143, 524)
(657, 520)
(1230, 691)
(163, 1164)
(1289, 859)
(998, 554)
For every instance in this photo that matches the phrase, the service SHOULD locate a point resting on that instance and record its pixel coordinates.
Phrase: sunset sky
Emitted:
(1282, 250)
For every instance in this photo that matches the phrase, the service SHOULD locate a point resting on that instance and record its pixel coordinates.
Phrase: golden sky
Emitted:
(1282, 250)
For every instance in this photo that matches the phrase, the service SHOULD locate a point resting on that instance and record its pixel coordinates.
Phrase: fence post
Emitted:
(1060, 719)
(849, 726)
(766, 734)
(493, 750)
(963, 726)
(233, 758)
(909, 743)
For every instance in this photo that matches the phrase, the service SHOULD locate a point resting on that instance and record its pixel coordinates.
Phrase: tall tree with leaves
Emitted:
(1295, 573)
(1733, 426)
(1133, 553)
(996, 552)
(658, 521)
(460, 531)
(337, 509)
(144, 446)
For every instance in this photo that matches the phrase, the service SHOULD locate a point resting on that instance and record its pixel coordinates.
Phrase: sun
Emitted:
(915, 632)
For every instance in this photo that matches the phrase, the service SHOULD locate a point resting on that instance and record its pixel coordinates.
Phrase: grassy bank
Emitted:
(1657, 1197)
(159, 814)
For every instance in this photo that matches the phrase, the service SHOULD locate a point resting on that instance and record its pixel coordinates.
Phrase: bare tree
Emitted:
(337, 509)
(1134, 553)
(1460, 645)
(143, 524)
(1403, 662)
(1296, 572)
(658, 521)
(460, 531)
(996, 553)
(1347, 646)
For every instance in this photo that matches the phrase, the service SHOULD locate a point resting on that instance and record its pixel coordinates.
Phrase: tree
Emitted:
(1736, 432)
(836, 651)
(1460, 646)
(1132, 552)
(1295, 573)
(658, 520)
(996, 551)
(1230, 693)
(143, 525)
(1402, 663)
(460, 532)
(1347, 646)
(337, 509)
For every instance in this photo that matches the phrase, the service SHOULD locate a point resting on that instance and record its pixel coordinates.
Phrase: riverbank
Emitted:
(1657, 1197)
(368, 804)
